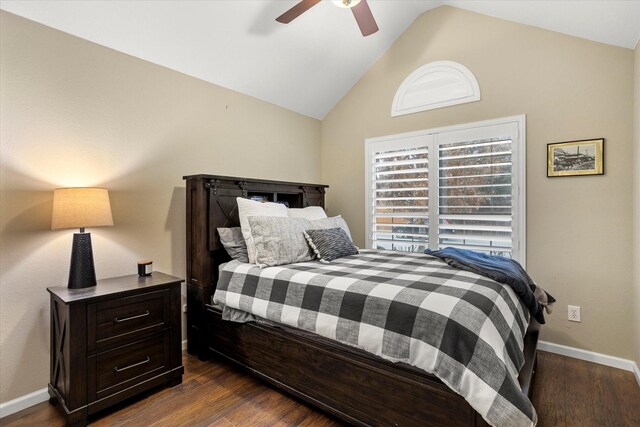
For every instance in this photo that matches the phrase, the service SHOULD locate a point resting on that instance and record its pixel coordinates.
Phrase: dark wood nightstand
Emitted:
(113, 341)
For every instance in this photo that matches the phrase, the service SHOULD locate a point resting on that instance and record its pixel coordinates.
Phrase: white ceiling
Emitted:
(308, 65)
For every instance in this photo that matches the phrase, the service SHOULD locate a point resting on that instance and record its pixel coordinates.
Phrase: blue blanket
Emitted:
(502, 270)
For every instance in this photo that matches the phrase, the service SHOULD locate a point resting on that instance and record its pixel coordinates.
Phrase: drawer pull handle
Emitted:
(116, 369)
(116, 320)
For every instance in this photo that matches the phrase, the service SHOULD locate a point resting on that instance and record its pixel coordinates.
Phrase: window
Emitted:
(435, 85)
(460, 186)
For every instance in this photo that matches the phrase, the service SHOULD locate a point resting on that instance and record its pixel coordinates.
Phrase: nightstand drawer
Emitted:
(120, 320)
(122, 367)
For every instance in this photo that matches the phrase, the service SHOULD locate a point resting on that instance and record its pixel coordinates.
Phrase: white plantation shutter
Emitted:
(474, 174)
(475, 192)
(400, 196)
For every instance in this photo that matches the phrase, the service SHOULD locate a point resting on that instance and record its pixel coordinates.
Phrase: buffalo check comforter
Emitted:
(466, 329)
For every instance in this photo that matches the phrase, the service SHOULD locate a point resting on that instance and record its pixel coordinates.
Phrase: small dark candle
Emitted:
(145, 267)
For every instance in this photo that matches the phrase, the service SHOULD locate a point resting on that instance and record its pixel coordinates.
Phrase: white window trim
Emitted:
(518, 178)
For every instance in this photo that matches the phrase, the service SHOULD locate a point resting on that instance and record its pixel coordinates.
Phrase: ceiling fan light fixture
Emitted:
(347, 4)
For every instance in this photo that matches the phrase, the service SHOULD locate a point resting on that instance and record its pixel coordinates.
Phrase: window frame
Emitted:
(433, 138)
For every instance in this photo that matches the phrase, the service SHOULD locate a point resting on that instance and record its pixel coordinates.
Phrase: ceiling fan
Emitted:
(360, 10)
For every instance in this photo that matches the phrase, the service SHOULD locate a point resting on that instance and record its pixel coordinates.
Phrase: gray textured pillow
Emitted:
(234, 243)
(247, 208)
(281, 240)
(331, 243)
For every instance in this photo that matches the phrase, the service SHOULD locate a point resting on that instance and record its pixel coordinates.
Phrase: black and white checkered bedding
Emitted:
(464, 328)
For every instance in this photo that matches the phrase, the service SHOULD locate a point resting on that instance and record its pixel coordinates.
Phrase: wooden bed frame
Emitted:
(349, 383)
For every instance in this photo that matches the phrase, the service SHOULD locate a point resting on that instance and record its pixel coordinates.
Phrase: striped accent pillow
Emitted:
(330, 243)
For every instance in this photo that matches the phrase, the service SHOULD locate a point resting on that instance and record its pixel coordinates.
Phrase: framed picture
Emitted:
(574, 158)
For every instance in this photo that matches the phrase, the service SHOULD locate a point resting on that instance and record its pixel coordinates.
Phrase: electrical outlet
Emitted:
(574, 313)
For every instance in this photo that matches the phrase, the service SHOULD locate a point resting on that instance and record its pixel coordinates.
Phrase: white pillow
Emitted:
(310, 212)
(247, 208)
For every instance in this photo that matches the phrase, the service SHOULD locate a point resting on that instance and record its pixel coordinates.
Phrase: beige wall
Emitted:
(578, 229)
(636, 195)
(73, 114)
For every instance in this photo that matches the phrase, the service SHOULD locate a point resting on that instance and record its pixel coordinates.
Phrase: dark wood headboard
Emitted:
(211, 203)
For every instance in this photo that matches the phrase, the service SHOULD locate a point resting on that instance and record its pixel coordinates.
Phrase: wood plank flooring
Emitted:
(566, 392)
(571, 392)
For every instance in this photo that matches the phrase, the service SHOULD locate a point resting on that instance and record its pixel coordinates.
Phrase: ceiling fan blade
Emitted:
(364, 18)
(296, 11)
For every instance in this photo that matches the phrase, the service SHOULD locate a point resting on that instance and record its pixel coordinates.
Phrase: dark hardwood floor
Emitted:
(566, 392)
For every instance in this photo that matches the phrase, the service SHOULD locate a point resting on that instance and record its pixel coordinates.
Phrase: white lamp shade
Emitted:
(81, 207)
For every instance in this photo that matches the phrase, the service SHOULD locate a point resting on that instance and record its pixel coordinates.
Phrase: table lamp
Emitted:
(80, 208)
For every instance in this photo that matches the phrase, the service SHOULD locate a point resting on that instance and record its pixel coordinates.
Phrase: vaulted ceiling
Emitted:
(308, 65)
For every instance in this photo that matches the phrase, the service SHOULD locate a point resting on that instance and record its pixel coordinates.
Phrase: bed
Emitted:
(350, 383)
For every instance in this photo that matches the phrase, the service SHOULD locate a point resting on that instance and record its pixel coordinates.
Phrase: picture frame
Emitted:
(575, 158)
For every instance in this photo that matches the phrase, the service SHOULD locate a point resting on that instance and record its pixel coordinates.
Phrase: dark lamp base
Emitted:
(82, 274)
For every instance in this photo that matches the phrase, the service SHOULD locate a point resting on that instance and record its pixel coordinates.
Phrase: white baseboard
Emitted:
(184, 345)
(591, 356)
(23, 402)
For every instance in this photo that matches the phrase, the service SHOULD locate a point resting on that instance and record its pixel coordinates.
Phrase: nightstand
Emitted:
(113, 341)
